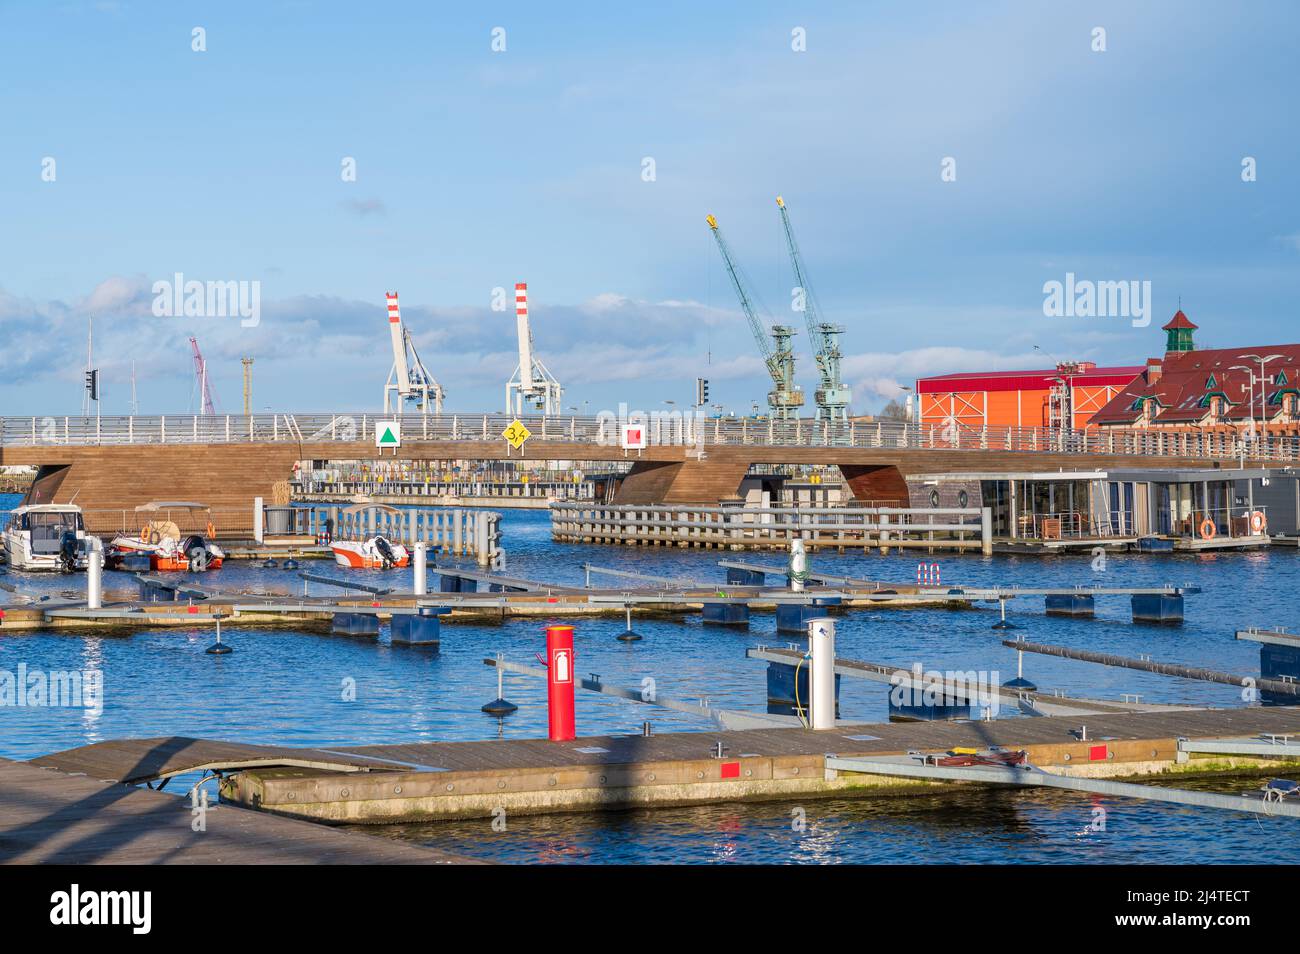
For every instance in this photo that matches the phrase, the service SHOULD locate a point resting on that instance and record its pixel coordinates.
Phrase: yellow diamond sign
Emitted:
(516, 434)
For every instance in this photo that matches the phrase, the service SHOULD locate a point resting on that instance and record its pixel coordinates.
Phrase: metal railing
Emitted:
(661, 430)
(1231, 522)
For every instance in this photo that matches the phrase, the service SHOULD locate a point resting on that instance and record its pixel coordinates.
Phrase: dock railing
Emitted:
(1233, 522)
(772, 528)
(603, 430)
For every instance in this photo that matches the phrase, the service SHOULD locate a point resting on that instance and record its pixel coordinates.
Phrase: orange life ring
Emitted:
(1258, 522)
(144, 533)
(212, 531)
(1208, 529)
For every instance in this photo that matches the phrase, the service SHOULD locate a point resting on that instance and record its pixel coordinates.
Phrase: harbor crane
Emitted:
(531, 385)
(832, 396)
(786, 397)
(409, 380)
(201, 378)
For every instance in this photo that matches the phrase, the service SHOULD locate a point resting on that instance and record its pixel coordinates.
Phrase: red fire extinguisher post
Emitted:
(559, 682)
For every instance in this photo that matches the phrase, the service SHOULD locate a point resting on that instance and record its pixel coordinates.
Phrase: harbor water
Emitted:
(281, 686)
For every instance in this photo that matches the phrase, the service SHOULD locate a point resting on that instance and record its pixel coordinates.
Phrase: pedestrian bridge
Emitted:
(227, 460)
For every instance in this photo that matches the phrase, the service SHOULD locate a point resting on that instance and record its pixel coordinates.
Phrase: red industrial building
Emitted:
(1067, 395)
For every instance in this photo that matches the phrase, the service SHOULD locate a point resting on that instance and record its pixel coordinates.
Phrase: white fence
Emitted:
(661, 430)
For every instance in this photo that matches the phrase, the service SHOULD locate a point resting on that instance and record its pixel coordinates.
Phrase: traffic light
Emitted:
(92, 384)
(701, 392)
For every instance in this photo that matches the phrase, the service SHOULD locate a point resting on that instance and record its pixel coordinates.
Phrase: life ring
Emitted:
(144, 533)
(1258, 522)
(1208, 529)
(212, 531)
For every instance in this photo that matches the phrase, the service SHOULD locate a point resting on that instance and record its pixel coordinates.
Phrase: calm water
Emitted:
(282, 686)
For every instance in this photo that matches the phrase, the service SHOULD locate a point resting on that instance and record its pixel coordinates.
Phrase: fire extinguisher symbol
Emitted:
(562, 666)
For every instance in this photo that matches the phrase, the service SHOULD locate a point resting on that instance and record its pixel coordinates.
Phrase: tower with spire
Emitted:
(1178, 333)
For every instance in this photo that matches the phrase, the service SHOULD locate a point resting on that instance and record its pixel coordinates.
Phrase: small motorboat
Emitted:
(376, 553)
(46, 537)
(162, 543)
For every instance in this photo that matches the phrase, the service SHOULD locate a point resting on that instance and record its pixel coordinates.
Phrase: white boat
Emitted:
(377, 553)
(163, 542)
(46, 537)
(373, 552)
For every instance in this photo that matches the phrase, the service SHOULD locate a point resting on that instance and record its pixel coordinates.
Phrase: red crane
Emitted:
(201, 375)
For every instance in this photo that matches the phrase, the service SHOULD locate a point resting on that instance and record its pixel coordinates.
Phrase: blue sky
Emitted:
(476, 169)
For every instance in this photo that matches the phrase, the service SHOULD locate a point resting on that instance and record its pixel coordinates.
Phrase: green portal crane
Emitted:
(786, 397)
(832, 396)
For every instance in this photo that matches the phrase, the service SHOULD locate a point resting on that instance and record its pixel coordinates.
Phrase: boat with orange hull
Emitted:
(377, 553)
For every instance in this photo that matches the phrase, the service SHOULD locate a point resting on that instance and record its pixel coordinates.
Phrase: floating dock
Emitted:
(48, 816)
(443, 780)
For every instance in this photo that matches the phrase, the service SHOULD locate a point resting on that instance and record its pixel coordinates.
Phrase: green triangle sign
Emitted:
(388, 437)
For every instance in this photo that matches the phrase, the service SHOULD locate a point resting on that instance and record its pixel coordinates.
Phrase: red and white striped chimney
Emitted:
(521, 299)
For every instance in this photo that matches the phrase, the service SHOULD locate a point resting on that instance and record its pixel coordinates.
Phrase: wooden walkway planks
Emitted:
(143, 760)
(48, 817)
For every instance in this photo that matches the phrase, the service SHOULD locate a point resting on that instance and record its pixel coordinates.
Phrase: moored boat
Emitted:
(45, 537)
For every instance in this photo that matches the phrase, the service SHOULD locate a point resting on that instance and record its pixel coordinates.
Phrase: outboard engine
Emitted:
(386, 552)
(196, 549)
(68, 547)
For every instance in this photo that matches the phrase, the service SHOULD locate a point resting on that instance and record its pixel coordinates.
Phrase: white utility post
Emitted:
(258, 535)
(94, 573)
(798, 565)
(821, 647)
(421, 554)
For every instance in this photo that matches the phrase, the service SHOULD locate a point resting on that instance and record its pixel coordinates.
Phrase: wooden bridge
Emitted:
(227, 461)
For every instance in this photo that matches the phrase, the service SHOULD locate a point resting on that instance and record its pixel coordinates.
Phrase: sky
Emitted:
(941, 162)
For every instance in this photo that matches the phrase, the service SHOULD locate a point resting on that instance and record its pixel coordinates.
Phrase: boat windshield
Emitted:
(52, 521)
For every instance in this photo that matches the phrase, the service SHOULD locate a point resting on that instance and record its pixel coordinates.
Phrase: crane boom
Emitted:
(409, 380)
(397, 334)
(201, 376)
(785, 398)
(832, 397)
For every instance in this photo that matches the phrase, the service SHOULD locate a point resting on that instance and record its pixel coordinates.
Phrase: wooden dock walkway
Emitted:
(435, 780)
(50, 817)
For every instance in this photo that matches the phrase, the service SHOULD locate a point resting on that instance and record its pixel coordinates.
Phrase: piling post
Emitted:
(258, 535)
(821, 647)
(986, 531)
(483, 555)
(94, 574)
(559, 684)
(421, 556)
(798, 565)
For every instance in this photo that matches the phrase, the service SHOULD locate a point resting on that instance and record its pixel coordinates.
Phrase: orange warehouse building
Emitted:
(1068, 395)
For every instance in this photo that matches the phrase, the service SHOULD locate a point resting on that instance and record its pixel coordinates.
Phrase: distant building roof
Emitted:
(1179, 320)
(1183, 384)
(1081, 373)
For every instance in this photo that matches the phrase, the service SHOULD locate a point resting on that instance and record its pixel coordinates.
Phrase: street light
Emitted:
(1263, 406)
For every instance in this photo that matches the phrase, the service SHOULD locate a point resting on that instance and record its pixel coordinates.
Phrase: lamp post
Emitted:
(1250, 404)
(1263, 388)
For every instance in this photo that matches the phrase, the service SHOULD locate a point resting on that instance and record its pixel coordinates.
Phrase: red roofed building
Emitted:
(1067, 395)
(1219, 388)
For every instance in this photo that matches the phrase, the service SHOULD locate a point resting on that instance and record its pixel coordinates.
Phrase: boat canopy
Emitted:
(155, 505)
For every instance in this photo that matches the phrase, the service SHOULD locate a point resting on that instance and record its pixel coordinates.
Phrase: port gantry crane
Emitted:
(409, 380)
(531, 385)
(832, 396)
(786, 397)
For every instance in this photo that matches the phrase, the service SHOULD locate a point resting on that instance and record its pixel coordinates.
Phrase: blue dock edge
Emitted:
(725, 614)
(1157, 607)
(794, 617)
(739, 577)
(1070, 604)
(355, 624)
(1278, 662)
(456, 584)
(420, 629)
(781, 689)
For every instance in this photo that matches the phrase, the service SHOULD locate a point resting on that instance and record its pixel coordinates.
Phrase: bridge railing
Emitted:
(661, 429)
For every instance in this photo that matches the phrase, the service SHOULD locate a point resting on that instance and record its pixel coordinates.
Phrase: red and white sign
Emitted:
(634, 437)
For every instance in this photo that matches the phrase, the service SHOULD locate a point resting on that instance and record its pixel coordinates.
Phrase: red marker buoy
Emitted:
(559, 683)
